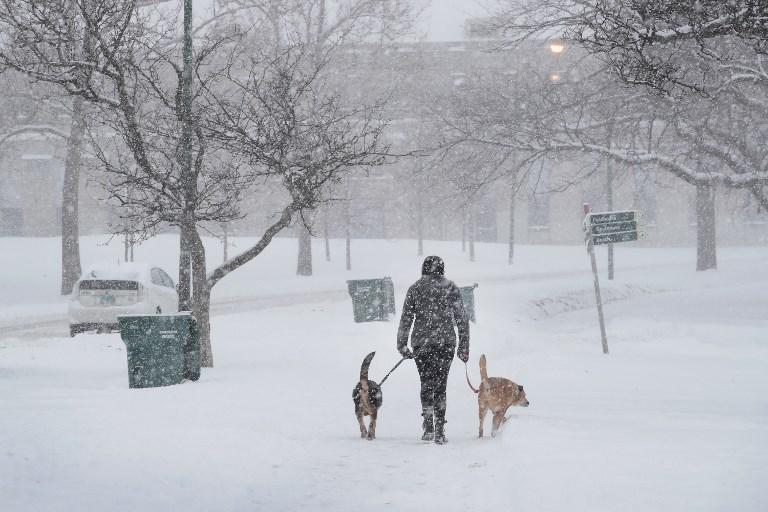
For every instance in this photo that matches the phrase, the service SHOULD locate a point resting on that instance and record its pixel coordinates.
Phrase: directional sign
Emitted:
(612, 238)
(614, 227)
(608, 217)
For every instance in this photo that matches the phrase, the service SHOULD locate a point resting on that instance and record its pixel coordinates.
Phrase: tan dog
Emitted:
(498, 395)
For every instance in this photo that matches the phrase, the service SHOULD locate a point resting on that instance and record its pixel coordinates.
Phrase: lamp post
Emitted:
(556, 48)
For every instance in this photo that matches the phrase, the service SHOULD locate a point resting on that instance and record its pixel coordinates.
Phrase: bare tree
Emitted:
(663, 45)
(249, 120)
(322, 27)
(31, 110)
(709, 138)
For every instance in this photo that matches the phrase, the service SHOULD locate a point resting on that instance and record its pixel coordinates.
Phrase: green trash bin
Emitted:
(468, 297)
(162, 349)
(373, 300)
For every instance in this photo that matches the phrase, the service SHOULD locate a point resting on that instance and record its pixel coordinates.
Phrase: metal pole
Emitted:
(188, 183)
(591, 251)
(609, 197)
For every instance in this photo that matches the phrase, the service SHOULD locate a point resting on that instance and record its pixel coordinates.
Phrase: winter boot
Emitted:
(440, 428)
(428, 424)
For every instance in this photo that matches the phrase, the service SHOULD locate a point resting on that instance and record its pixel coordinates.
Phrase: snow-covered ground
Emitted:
(675, 418)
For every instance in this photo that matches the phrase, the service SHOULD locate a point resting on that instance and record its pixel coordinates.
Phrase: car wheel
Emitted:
(73, 330)
(158, 311)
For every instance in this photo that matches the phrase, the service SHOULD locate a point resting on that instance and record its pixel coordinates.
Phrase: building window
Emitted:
(11, 221)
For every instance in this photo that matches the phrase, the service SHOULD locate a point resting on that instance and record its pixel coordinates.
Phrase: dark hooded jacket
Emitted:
(433, 306)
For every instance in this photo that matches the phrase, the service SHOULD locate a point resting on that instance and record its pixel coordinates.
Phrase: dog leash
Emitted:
(390, 371)
(466, 372)
(398, 364)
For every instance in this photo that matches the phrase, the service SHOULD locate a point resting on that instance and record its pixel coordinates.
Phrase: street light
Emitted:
(557, 47)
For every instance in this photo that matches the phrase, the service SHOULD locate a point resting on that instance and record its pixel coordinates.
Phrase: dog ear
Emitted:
(519, 388)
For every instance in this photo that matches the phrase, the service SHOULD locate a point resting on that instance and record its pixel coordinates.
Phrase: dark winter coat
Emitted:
(433, 306)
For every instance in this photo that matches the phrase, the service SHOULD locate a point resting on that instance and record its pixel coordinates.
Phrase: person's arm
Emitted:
(406, 321)
(461, 318)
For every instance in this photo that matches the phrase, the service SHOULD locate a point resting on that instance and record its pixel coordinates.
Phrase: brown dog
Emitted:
(498, 395)
(368, 398)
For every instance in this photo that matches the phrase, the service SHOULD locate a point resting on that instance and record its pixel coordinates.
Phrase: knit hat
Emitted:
(433, 266)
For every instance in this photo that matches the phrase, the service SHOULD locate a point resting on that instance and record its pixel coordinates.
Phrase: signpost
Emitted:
(607, 228)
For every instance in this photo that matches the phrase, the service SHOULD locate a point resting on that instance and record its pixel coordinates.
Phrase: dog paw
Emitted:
(363, 435)
(371, 436)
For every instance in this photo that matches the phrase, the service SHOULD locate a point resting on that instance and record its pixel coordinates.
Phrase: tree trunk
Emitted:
(327, 238)
(420, 224)
(201, 300)
(463, 231)
(304, 264)
(706, 242)
(225, 229)
(348, 229)
(70, 235)
(471, 235)
(512, 224)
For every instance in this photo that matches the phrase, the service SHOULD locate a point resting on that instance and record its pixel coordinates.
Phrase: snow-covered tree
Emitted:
(703, 123)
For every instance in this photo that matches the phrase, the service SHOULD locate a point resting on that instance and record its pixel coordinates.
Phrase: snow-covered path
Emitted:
(675, 418)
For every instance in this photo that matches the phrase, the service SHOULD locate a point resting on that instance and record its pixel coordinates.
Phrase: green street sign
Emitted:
(609, 217)
(613, 238)
(614, 227)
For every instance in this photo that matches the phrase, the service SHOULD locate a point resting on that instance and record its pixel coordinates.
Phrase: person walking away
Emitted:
(434, 309)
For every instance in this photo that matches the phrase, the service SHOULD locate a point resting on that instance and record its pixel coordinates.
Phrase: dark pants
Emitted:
(433, 365)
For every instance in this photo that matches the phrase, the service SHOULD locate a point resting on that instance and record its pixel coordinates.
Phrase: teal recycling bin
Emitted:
(373, 300)
(162, 349)
(468, 297)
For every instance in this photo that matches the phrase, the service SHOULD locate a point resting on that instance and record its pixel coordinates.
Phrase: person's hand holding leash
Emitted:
(406, 353)
(464, 356)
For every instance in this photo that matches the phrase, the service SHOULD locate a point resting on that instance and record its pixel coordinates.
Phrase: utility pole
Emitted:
(189, 184)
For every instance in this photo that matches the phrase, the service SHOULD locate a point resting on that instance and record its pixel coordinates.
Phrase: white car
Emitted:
(105, 292)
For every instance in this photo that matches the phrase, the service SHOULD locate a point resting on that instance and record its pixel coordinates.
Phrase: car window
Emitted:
(157, 277)
(167, 279)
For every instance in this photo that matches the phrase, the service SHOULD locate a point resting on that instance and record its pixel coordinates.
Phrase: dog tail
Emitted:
(365, 365)
(483, 370)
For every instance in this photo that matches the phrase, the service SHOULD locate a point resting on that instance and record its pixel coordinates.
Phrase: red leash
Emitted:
(466, 372)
